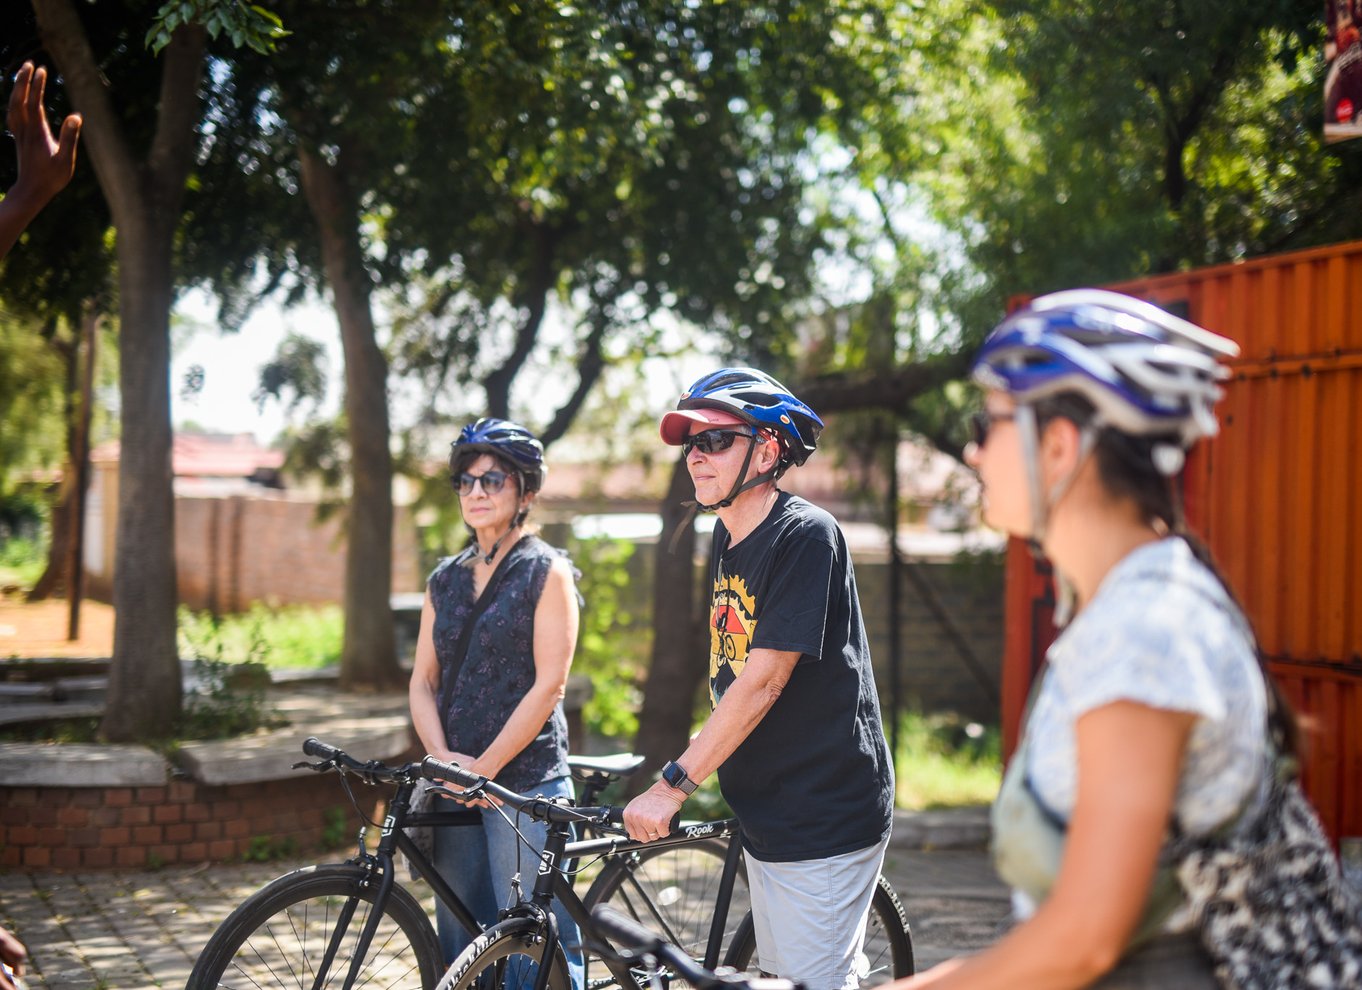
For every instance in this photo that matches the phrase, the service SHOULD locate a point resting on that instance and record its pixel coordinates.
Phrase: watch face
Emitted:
(675, 775)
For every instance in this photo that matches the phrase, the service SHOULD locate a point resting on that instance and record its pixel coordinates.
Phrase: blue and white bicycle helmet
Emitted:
(1145, 371)
(758, 400)
(509, 441)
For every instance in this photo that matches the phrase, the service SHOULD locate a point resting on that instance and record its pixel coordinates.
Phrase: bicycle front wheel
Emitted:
(887, 953)
(506, 957)
(303, 929)
(673, 890)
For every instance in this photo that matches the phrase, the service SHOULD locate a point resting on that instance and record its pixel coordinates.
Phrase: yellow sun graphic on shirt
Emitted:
(731, 627)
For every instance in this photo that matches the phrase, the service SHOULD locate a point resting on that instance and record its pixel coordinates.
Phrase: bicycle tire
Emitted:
(278, 937)
(506, 957)
(887, 953)
(672, 890)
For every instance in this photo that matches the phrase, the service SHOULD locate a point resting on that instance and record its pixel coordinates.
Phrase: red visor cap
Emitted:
(681, 423)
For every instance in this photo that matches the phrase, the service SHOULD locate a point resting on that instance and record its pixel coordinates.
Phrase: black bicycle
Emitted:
(522, 951)
(355, 924)
(645, 950)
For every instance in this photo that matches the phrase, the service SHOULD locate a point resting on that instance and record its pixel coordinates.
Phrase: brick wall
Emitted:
(951, 634)
(180, 822)
(232, 551)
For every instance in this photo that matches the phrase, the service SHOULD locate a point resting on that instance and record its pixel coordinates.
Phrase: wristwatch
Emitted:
(675, 775)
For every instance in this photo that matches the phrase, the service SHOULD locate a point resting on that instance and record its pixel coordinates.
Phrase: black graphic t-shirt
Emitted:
(813, 779)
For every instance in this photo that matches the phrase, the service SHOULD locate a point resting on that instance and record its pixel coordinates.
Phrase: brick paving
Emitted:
(135, 929)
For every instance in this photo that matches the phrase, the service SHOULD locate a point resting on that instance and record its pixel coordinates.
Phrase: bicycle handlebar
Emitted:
(373, 771)
(633, 938)
(434, 769)
(536, 807)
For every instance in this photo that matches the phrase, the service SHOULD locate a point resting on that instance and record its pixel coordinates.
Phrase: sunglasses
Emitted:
(492, 482)
(982, 421)
(712, 441)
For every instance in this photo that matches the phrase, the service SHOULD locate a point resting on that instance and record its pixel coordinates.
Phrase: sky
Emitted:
(231, 364)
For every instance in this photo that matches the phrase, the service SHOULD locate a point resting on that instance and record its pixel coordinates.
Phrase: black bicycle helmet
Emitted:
(509, 441)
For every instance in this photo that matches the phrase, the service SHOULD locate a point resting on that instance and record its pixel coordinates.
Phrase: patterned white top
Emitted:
(1160, 631)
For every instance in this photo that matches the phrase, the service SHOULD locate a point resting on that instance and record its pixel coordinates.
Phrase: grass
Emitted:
(946, 762)
(283, 638)
(22, 561)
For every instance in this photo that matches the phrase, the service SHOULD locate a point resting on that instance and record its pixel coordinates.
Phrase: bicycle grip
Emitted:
(436, 769)
(614, 814)
(313, 746)
(623, 930)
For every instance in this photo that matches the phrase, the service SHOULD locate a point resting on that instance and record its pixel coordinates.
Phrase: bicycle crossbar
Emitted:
(686, 833)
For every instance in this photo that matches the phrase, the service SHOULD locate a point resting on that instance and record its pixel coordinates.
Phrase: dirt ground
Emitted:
(39, 629)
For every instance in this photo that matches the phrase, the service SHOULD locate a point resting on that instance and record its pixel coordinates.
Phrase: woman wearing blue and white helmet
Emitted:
(1150, 716)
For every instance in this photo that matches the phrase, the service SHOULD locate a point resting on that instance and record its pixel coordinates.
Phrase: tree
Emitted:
(1082, 143)
(606, 163)
(143, 184)
(300, 139)
(55, 287)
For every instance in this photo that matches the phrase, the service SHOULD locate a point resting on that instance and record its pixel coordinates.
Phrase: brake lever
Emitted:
(319, 767)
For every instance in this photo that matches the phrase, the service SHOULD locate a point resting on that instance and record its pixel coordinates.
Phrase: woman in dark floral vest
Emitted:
(494, 706)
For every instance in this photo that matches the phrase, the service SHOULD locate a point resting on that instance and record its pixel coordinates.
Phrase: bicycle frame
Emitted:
(551, 882)
(686, 833)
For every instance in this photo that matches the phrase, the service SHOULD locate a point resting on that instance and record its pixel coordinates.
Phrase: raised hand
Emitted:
(45, 163)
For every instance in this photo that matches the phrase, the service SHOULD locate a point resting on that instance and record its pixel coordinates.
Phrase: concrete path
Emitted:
(124, 930)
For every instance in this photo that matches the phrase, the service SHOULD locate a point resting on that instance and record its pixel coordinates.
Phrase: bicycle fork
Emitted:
(554, 845)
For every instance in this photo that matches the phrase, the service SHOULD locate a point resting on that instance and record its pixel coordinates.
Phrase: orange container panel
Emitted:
(1278, 495)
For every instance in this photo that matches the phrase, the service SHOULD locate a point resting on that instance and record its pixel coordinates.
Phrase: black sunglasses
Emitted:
(712, 441)
(492, 482)
(982, 421)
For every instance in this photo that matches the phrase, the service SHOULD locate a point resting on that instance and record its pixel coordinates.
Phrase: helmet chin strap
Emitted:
(738, 488)
(1042, 502)
(738, 485)
(474, 549)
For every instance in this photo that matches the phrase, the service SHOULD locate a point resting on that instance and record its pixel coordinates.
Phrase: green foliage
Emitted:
(336, 828)
(1081, 142)
(267, 848)
(228, 696)
(613, 640)
(67, 730)
(945, 761)
(707, 803)
(280, 637)
(246, 25)
(32, 401)
(22, 559)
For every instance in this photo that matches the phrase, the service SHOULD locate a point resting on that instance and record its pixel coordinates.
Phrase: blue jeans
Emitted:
(478, 864)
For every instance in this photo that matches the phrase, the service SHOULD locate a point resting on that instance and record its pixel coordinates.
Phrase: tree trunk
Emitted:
(144, 197)
(369, 652)
(144, 694)
(53, 579)
(678, 663)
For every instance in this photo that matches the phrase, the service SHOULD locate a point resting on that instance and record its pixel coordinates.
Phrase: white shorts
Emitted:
(810, 916)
